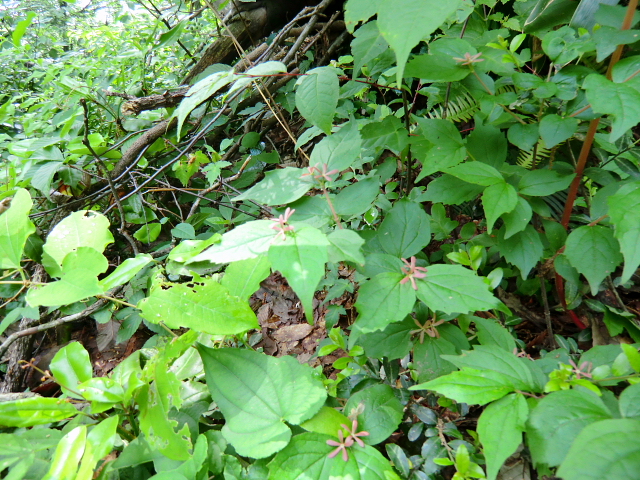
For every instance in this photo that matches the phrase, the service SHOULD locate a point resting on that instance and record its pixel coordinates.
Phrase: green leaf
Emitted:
(246, 241)
(359, 11)
(327, 421)
(80, 270)
(427, 358)
(487, 144)
(557, 420)
(301, 258)
(594, 252)
(404, 23)
(345, 245)
(523, 249)
(184, 230)
(367, 45)
(624, 211)
(21, 28)
(307, 457)
(388, 134)
(450, 190)
(66, 459)
(453, 288)
(101, 389)
(317, 97)
(470, 386)
(382, 412)
(383, 300)
(437, 67)
(619, 100)
(517, 220)
(608, 38)
(477, 173)
(15, 228)
(445, 146)
(357, 197)
(406, 229)
(28, 412)
(393, 342)
(201, 92)
(71, 366)
(206, 307)
(102, 437)
(498, 199)
(490, 332)
(257, 393)
(338, 151)
(278, 187)
(243, 278)
(126, 271)
(555, 129)
(523, 136)
(148, 233)
(540, 183)
(522, 373)
(500, 429)
(629, 403)
(85, 228)
(605, 450)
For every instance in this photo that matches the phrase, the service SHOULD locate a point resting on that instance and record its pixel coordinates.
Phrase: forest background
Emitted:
(369, 239)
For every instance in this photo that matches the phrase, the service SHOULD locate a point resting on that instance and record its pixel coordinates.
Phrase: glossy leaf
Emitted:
(71, 366)
(205, 307)
(66, 458)
(246, 241)
(28, 412)
(242, 279)
(257, 394)
(126, 271)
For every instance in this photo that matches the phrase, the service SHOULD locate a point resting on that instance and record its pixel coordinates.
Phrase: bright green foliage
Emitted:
(15, 228)
(256, 394)
(35, 411)
(278, 187)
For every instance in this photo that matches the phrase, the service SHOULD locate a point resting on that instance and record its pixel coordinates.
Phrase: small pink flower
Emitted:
(321, 175)
(412, 272)
(469, 59)
(353, 434)
(282, 226)
(342, 446)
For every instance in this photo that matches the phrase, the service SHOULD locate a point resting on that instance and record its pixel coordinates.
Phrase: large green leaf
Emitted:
(317, 97)
(307, 457)
(246, 241)
(453, 288)
(357, 198)
(388, 134)
(85, 228)
(427, 358)
(243, 278)
(619, 100)
(594, 252)
(523, 249)
(71, 366)
(65, 461)
(478, 173)
(404, 23)
(15, 228)
(606, 450)
(500, 429)
(543, 182)
(301, 258)
(498, 199)
(522, 374)
(257, 393)
(450, 190)
(393, 342)
(28, 412)
(278, 187)
(406, 229)
(624, 210)
(359, 10)
(555, 129)
(490, 332)
(206, 307)
(367, 45)
(338, 151)
(126, 271)
(470, 386)
(557, 420)
(383, 300)
(487, 144)
(381, 415)
(444, 147)
(79, 280)
(345, 245)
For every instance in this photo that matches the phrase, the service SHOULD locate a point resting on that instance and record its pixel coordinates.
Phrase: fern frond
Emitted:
(459, 109)
(525, 159)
